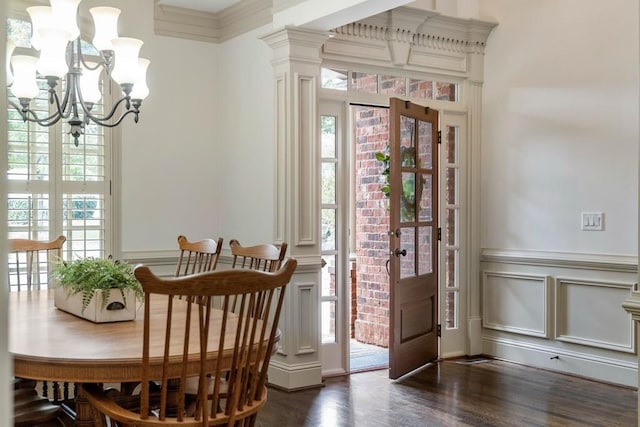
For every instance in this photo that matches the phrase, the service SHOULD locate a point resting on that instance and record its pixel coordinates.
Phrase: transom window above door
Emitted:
(389, 85)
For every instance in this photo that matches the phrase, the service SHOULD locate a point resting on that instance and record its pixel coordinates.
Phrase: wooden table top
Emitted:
(50, 344)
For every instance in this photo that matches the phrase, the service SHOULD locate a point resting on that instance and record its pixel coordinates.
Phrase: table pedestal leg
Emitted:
(84, 413)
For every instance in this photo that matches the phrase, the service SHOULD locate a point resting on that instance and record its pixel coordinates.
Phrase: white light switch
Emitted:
(592, 221)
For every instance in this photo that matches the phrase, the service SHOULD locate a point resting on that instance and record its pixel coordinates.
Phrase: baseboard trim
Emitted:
(564, 361)
(295, 377)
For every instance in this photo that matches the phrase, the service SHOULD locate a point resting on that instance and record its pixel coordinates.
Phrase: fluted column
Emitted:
(296, 66)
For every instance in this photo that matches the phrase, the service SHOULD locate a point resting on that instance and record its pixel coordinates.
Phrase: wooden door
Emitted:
(413, 237)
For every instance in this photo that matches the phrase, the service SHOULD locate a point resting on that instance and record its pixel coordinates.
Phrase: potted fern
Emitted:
(97, 289)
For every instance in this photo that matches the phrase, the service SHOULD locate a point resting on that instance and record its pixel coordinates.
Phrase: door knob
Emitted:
(399, 252)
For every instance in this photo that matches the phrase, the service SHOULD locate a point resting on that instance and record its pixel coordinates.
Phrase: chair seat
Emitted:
(32, 410)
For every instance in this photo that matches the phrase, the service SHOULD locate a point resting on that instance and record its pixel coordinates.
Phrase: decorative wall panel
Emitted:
(516, 303)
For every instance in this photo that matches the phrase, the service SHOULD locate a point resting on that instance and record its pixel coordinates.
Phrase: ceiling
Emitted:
(203, 5)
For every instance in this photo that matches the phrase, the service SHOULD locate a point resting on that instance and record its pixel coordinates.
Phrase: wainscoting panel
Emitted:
(516, 303)
(560, 311)
(588, 313)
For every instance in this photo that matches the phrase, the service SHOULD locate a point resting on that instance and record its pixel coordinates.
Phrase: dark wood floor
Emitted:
(451, 393)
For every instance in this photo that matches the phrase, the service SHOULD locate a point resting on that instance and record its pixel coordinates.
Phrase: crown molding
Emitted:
(211, 27)
(413, 39)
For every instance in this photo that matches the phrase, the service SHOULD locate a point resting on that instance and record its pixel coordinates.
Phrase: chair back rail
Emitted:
(31, 259)
(230, 389)
(263, 257)
(197, 257)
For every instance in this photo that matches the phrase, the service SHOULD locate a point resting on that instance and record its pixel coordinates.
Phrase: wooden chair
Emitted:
(33, 261)
(259, 257)
(197, 257)
(247, 365)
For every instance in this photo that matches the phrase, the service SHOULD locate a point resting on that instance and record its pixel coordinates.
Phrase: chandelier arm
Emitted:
(116, 123)
(28, 115)
(104, 119)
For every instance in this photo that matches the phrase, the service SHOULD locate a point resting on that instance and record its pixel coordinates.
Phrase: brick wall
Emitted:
(371, 323)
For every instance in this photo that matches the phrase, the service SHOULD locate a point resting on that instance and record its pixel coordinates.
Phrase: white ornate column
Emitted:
(296, 65)
(478, 34)
(632, 306)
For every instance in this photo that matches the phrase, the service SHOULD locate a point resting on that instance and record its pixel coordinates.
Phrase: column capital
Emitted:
(296, 44)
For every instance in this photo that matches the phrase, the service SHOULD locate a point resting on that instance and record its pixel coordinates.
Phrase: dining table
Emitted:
(48, 344)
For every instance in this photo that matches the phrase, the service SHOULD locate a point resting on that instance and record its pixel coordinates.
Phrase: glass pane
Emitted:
(425, 240)
(328, 321)
(328, 183)
(334, 79)
(446, 91)
(408, 198)
(451, 309)
(450, 267)
(425, 145)
(328, 229)
(421, 89)
(329, 276)
(328, 146)
(450, 227)
(28, 143)
(407, 147)
(408, 243)
(363, 82)
(390, 85)
(83, 223)
(426, 198)
(28, 216)
(451, 175)
(451, 143)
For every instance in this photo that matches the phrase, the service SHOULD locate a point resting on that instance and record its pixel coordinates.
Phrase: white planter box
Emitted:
(94, 311)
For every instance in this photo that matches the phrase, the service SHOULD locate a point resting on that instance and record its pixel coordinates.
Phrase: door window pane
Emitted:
(408, 243)
(425, 242)
(408, 198)
(450, 185)
(426, 198)
(329, 276)
(425, 145)
(407, 147)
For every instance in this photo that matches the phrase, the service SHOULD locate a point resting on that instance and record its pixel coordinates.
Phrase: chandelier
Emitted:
(56, 35)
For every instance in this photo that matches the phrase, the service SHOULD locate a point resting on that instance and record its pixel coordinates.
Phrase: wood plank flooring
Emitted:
(451, 393)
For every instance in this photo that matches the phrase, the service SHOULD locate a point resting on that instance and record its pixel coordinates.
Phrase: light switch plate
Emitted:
(592, 221)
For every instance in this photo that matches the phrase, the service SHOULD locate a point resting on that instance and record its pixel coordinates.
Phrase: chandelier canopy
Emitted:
(56, 35)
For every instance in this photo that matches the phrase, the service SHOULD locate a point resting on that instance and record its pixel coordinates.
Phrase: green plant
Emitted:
(86, 275)
(409, 190)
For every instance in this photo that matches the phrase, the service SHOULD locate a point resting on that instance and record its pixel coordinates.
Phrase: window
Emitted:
(389, 85)
(55, 187)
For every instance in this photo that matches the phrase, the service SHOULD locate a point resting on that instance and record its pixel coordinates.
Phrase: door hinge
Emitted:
(439, 137)
(439, 330)
(439, 233)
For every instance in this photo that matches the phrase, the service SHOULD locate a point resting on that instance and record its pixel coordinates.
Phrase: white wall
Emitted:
(560, 125)
(171, 183)
(560, 137)
(201, 160)
(244, 93)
